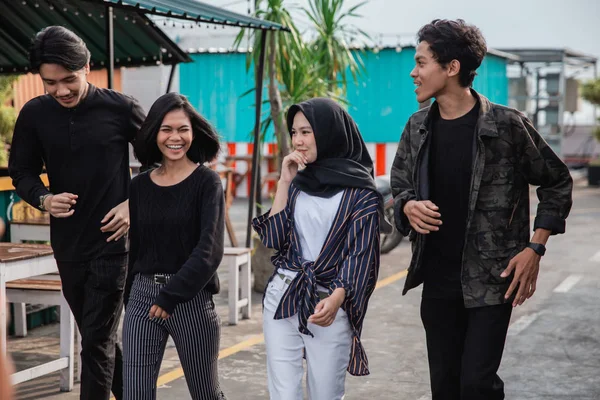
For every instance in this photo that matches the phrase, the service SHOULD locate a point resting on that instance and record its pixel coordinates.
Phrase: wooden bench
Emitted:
(43, 290)
(238, 260)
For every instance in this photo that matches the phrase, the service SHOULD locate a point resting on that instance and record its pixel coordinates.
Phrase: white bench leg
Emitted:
(67, 346)
(20, 319)
(246, 272)
(234, 284)
(3, 314)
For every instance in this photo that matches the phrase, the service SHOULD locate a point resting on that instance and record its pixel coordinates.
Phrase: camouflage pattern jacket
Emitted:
(508, 156)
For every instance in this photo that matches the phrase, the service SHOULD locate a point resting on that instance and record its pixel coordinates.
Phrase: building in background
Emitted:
(381, 101)
(544, 84)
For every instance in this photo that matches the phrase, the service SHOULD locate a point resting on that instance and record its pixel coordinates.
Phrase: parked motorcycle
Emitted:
(390, 240)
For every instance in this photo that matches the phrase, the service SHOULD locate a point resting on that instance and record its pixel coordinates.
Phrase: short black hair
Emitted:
(205, 145)
(455, 40)
(58, 45)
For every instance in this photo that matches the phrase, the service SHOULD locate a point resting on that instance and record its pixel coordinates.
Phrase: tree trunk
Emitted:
(261, 256)
(281, 134)
(262, 267)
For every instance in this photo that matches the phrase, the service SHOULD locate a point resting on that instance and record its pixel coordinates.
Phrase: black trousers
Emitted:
(94, 291)
(464, 347)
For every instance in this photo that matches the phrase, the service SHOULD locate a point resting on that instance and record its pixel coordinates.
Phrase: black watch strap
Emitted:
(539, 248)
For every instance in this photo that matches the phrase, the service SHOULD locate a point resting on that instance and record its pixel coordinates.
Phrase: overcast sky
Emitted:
(504, 23)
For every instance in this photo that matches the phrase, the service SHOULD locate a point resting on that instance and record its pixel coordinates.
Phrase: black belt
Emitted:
(159, 279)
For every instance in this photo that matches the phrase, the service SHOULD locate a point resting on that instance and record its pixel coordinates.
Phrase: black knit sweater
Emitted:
(177, 229)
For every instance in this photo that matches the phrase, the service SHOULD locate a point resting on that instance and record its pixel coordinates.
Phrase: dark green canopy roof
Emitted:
(137, 40)
(194, 11)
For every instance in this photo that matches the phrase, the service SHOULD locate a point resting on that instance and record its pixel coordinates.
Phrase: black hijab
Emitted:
(342, 157)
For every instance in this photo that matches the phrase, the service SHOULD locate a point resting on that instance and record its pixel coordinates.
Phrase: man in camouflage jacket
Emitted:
(499, 263)
(511, 155)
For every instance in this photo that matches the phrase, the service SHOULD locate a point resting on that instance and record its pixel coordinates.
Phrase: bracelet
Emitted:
(43, 199)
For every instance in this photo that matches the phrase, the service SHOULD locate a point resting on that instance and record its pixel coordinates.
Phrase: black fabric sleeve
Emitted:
(401, 180)
(134, 238)
(26, 159)
(543, 168)
(136, 118)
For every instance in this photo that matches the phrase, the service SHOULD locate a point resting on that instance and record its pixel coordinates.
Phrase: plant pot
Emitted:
(262, 267)
(594, 175)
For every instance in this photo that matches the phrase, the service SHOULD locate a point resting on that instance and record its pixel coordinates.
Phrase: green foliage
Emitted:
(8, 115)
(332, 44)
(305, 70)
(590, 91)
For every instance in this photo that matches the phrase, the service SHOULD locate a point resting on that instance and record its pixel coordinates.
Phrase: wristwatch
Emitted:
(42, 199)
(539, 248)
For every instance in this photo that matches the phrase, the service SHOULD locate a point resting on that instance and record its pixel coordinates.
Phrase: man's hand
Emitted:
(327, 308)
(423, 216)
(526, 266)
(157, 312)
(119, 221)
(59, 205)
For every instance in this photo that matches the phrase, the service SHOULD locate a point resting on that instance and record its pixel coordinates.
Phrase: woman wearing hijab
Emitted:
(324, 226)
(177, 222)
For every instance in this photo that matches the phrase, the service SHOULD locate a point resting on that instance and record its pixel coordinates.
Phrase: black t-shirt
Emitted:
(450, 166)
(179, 230)
(86, 152)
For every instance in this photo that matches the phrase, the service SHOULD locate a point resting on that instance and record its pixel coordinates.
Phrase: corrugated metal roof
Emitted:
(137, 40)
(194, 11)
(550, 55)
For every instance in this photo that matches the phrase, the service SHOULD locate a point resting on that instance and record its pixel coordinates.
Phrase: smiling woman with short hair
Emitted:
(177, 219)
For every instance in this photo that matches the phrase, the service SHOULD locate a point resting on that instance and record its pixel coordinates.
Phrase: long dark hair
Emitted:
(58, 45)
(205, 144)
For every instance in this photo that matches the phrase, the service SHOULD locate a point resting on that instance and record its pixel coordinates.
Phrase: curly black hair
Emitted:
(455, 40)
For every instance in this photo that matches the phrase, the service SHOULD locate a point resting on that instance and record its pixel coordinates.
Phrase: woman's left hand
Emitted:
(157, 312)
(327, 308)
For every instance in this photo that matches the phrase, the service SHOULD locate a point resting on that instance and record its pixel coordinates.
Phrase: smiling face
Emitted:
(303, 137)
(175, 136)
(67, 87)
(430, 77)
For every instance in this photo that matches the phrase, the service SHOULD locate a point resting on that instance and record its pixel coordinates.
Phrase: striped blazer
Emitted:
(349, 259)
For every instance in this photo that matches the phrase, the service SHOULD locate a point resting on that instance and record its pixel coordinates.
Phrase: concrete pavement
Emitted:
(552, 352)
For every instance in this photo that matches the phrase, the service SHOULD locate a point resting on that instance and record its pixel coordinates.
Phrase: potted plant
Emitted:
(590, 91)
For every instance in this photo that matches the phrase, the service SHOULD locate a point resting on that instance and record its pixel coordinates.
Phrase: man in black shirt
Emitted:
(80, 133)
(460, 181)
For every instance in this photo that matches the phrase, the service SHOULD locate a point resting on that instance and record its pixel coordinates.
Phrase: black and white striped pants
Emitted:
(195, 329)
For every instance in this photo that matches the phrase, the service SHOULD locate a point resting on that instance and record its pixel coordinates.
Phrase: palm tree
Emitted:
(280, 49)
(295, 73)
(332, 44)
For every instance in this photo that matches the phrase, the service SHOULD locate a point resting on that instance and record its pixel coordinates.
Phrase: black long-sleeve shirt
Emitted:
(85, 151)
(177, 229)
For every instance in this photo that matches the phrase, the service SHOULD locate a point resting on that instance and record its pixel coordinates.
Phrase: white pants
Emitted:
(327, 353)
